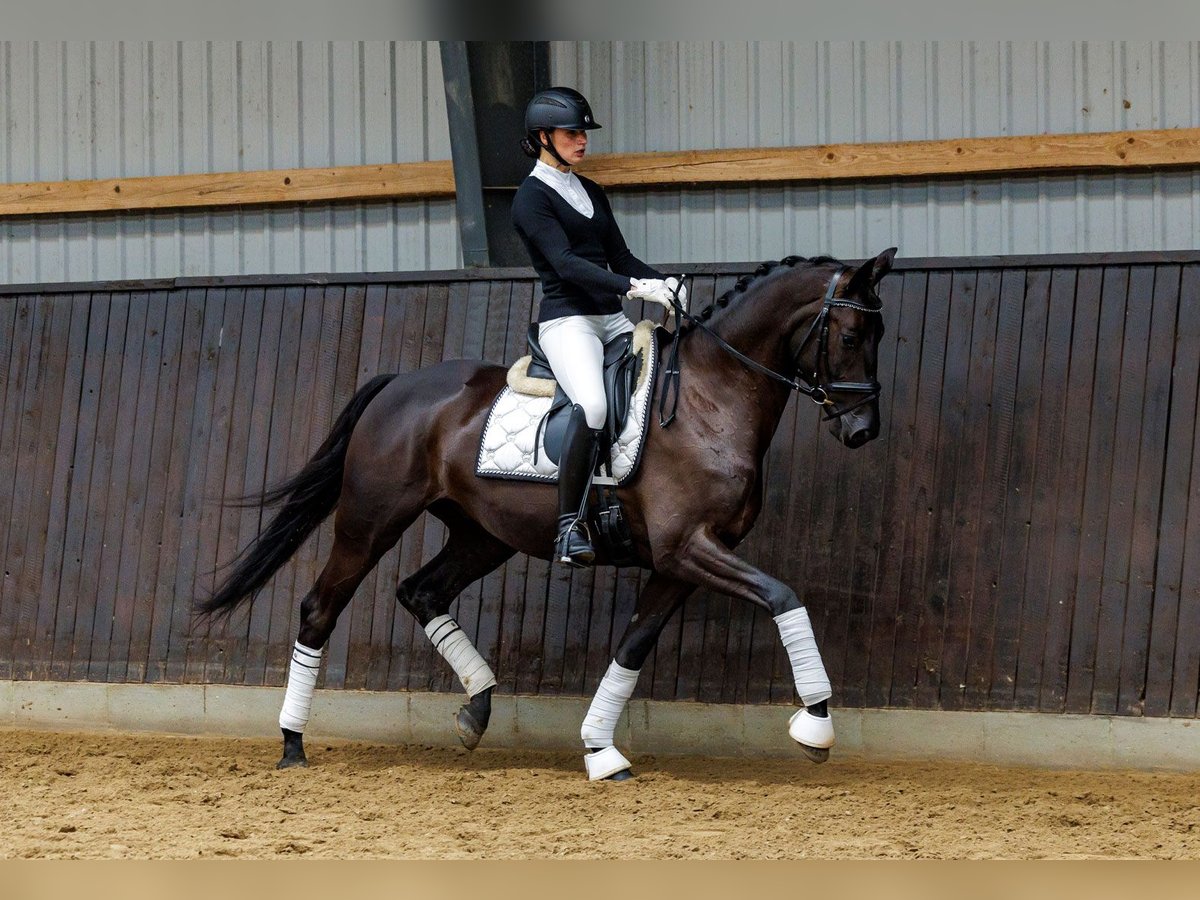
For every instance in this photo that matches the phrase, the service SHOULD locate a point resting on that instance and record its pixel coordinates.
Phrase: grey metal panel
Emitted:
(666, 96)
(107, 109)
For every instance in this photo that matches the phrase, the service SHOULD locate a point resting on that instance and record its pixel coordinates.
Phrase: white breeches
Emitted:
(574, 348)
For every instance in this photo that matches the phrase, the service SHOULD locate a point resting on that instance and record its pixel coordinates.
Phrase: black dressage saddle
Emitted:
(621, 369)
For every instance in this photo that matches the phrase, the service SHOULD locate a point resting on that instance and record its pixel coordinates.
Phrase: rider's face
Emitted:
(570, 143)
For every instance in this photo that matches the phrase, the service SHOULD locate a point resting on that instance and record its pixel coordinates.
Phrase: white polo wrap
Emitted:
(302, 681)
(812, 684)
(456, 648)
(616, 687)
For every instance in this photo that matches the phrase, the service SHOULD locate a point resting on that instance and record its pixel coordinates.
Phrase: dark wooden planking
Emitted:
(1014, 548)
(59, 496)
(300, 333)
(1177, 601)
(268, 634)
(139, 493)
(27, 311)
(954, 328)
(1001, 423)
(1144, 542)
(238, 339)
(918, 629)
(97, 528)
(247, 631)
(123, 409)
(1096, 500)
(1114, 593)
(184, 651)
(162, 491)
(1069, 508)
(35, 475)
(172, 596)
(84, 448)
(897, 505)
(1037, 598)
(981, 290)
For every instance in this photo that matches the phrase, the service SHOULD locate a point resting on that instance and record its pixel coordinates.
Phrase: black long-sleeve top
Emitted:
(572, 254)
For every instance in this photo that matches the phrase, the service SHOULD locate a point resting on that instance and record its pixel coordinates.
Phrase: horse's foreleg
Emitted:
(657, 602)
(708, 562)
(469, 554)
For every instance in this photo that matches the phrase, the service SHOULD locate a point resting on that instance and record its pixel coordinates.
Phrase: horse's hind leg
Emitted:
(655, 605)
(469, 554)
(349, 562)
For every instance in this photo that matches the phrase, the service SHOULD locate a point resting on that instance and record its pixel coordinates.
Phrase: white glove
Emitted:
(674, 283)
(657, 290)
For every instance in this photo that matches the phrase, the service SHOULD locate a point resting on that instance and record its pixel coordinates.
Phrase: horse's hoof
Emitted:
(623, 775)
(816, 754)
(467, 729)
(289, 762)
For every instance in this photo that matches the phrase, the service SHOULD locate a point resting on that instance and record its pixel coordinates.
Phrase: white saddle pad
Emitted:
(506, 449)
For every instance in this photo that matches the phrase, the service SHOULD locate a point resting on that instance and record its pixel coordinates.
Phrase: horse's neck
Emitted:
(758, 401)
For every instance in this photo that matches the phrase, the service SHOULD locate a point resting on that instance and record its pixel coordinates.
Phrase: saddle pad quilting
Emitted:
(506, 448)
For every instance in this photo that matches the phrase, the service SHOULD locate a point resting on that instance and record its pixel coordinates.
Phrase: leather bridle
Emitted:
(811, 385)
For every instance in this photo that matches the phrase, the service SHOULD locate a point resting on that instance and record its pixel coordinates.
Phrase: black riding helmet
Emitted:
(557, 107)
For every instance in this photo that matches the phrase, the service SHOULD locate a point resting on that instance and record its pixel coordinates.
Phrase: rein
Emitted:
(812, 387)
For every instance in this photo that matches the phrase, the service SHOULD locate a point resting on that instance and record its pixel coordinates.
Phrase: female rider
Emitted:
(567, 226)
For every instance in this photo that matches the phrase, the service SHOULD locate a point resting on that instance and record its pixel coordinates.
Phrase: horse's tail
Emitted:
(308, 497)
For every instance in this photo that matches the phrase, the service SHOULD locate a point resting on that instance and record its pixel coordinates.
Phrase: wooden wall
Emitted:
(1020, 536)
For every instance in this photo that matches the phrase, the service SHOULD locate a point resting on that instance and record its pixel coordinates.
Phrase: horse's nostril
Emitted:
(858, 437)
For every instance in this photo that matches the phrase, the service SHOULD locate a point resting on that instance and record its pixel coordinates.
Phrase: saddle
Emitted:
(621, 369)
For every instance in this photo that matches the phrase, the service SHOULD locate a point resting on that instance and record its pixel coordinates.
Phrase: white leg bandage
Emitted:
(302, 681)
(616, 687)
(812, 684)
(456, 648)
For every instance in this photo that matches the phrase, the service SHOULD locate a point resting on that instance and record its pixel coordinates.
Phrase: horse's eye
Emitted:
(849, 341)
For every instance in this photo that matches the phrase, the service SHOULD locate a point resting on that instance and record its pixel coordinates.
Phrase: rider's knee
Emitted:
(595, 411)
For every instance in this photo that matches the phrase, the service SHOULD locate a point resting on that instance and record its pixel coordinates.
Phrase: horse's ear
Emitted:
(868, 274)
(882, 264)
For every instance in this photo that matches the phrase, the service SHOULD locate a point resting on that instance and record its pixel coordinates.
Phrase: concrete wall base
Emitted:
(655, 727)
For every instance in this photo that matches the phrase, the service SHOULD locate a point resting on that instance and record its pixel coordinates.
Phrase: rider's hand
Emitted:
(642, 288)
(673, 284)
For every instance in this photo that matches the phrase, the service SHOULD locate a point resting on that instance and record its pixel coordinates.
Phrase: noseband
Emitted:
(810, 385)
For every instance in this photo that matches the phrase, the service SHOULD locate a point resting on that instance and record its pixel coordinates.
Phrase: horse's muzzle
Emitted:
(857, 427)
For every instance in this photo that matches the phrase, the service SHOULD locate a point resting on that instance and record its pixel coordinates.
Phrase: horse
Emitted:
(407, 443)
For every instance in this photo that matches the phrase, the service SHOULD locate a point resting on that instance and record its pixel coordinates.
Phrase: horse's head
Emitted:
(836, 350)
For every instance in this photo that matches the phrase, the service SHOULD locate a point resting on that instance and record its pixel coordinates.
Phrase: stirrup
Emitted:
(573, 547)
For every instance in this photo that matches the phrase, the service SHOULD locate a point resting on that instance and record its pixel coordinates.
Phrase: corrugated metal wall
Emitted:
(94, 110)
(669, 96)
(106, 110)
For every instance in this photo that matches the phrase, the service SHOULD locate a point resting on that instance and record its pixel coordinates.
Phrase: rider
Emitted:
(567, 226)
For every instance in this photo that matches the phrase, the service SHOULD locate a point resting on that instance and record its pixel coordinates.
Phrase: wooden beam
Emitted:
(1066, 153)
(392, 181)
(909, 159)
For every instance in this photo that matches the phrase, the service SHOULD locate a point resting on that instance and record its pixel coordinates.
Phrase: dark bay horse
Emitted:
(407, 443)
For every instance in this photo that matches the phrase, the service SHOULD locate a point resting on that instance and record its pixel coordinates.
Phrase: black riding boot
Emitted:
(575, 466)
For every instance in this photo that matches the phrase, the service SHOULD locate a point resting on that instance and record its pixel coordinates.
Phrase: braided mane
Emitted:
(763, 269)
